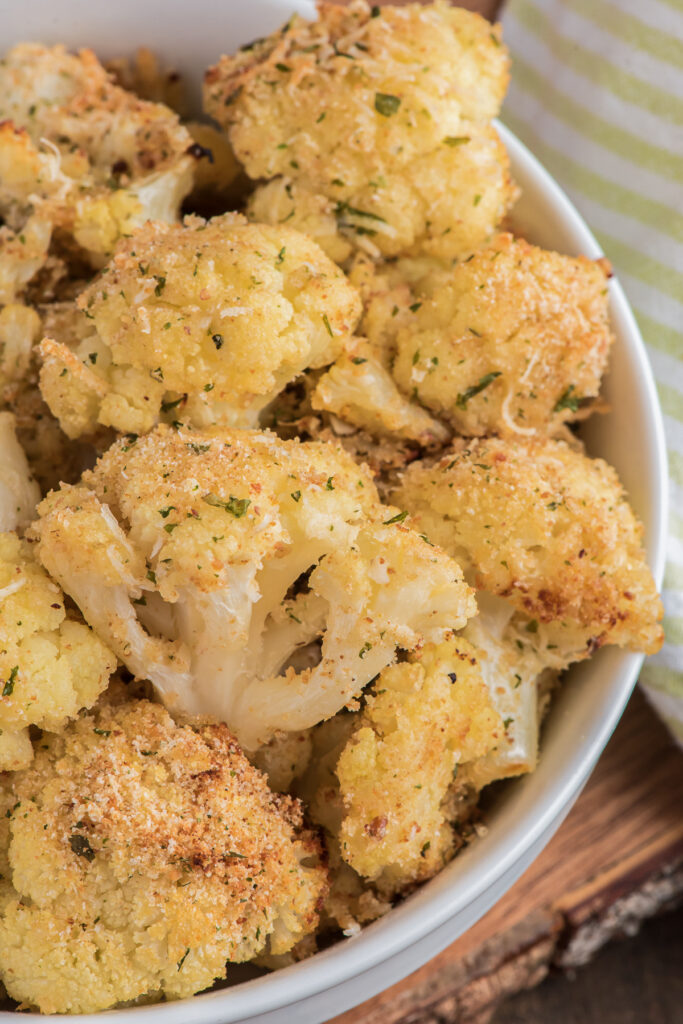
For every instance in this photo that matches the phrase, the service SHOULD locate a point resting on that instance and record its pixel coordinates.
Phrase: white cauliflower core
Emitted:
(188, 553)
(19, 492)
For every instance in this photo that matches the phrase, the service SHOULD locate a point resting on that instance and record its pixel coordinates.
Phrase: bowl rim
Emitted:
(434, 904)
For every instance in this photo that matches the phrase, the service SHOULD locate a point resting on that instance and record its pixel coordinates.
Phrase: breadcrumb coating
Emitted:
(549, 529)
(208, 559)
(425, 717)
(514, 341)
(144, 855)
(201, 323)
(93, 158)
(51, 666)
(376, 118)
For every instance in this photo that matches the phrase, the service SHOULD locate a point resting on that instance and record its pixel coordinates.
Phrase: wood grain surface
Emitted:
(616, 860)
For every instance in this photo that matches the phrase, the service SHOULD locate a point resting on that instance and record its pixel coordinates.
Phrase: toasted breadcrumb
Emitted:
(375, 125)
(514, 341)
(200, 323)
(424, 718)
(144, 855)
(548, 529)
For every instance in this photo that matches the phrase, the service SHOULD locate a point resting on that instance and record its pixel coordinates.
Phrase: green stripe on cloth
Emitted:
(676, 470)
(673, 629)
(668, 680)
(671, 400)
(659, 275)
(638, 34)
(599, 158)
(599, 70)
(602, 190)
(626, 144)
(661, 337)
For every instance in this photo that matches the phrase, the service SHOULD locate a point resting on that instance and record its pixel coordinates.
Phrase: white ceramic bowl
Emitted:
(190, 36)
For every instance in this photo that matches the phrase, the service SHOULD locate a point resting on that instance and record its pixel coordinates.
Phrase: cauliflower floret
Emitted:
(19, 492)
(51, 666)
(202, 323)
(548, 529)
(206, 560)
(284, 758)
(19, 330)
(144, 855)
(93, 158)
(359, 390)
(511, 342)
(376, 119)
(50, 455)
(516, 674)
(426, 717)
(22, 254)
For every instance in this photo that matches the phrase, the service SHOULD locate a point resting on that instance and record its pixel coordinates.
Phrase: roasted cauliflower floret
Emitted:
(51, 456)
(94, 159)
(513, 341)
(200, 323)
(19, 492)
(548, 529)
(359, 390)
(19, 330)
(426, 717)
(51, 666)
(144, 855)
(376, 122)
(207, 560)
(22, 254)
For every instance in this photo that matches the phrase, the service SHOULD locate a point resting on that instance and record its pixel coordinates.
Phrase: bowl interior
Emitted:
(630, 436)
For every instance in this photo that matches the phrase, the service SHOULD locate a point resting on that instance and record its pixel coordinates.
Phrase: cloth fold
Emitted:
(597, 95)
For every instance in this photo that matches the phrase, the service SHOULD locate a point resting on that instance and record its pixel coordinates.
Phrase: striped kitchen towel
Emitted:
(597, 95)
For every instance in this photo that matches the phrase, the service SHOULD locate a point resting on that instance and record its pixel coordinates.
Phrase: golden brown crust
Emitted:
(372, 126)
(166, 846)
(547, 528)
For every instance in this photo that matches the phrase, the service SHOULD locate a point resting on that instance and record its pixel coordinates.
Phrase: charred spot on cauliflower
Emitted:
(51, 665)
(145, 855)
(93, 159)
(372, 130)
(207, 560)
(548, 529)
(200, 323)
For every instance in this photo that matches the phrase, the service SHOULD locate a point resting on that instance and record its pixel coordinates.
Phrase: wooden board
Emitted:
(616, 860)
